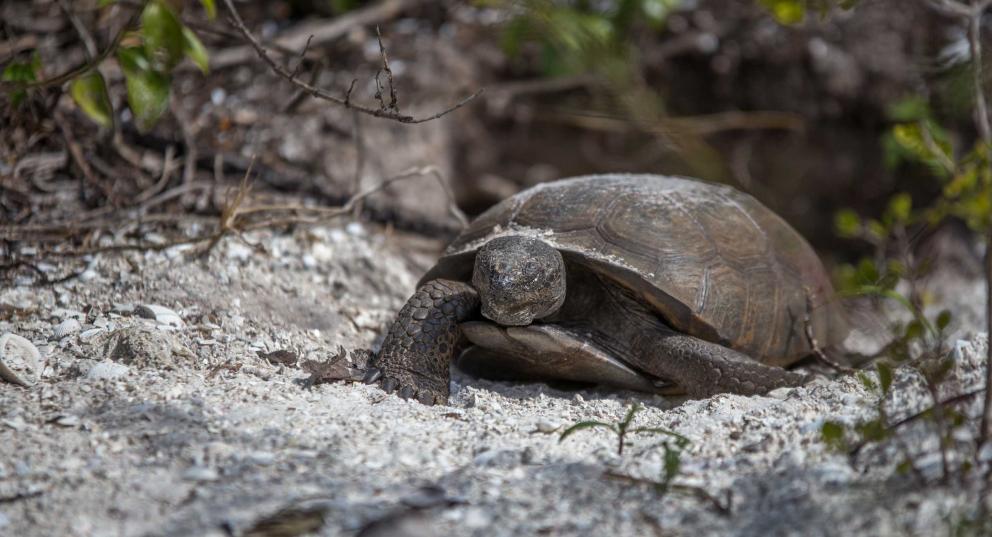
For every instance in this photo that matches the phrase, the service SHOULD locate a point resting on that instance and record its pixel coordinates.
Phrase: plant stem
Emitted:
(985, 131)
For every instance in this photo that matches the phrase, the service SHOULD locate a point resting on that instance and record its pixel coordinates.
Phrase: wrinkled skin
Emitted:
(519, 279)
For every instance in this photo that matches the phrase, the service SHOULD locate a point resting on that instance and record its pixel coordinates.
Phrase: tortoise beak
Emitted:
(521, 317)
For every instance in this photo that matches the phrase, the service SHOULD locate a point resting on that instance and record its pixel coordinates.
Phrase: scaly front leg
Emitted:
(422, 341)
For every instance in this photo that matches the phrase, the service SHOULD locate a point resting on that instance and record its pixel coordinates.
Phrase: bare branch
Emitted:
(303, 56)
(321, 94)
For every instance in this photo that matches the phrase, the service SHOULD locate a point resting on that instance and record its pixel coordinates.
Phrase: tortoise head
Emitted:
(519, 279)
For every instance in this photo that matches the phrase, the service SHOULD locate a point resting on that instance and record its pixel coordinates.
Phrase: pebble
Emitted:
(547, 426)
(475, 518)
(66, 328)
(67, 421)
(123, 309)
(160, 314)
(16, 423)
(201, 474)
(107, 370)
(780, 393)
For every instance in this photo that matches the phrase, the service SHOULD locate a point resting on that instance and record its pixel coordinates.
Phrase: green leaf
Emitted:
(584, 425)
(634, 409)
(867, 381)
(899, 209)
(914, 330)
(673, 463)
(195, 50)
(833, 433)
(20, 72)
(148, 97)
(868, 273)
(133, 59)
(904, 467)
(847, 223)
(90, 93)
(680, 440)
(923, 141)
(163, 35)
(786, 11)
(877, 231)
(211, 8)
(912, 108)
(884, 376)
(943, 319)
(872, 431)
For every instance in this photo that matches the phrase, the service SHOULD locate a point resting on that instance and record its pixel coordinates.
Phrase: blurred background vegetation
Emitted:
(845, 117)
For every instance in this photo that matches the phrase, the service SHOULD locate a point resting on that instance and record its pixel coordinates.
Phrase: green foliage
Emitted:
(833, 434)
(162, 34)
(147, 88)
(794, 11)
(21, 72)
(195, 51)
(576, 37)
(90, 93)
(147, 61)
(623, 427)
(915, 139)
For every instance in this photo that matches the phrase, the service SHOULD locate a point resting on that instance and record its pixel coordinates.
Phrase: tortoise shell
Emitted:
(714, 262)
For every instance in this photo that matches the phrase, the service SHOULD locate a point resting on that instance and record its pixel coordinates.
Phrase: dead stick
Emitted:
(321, 94)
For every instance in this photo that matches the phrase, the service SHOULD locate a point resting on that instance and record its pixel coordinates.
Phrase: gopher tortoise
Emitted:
(638, 281)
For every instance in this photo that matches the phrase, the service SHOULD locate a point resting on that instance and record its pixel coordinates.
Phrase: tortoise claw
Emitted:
(372, 375)
(389, 385)
(407, 392)
(425, 398)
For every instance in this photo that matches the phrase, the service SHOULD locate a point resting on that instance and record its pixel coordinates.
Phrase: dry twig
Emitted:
(321, 94)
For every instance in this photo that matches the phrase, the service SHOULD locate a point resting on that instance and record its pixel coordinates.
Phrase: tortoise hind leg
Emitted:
(704, 369)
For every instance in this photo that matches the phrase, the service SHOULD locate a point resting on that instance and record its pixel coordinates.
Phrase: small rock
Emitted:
(476, 518)
(107, 370)
(66, 328)
(66, 421)
(261, 458)
(16, 423)
(123, 309)
(141, 347)
(547, 426)
(200, 473)
(780, 393)
(91, 333)
(160, 314)
(986, 453)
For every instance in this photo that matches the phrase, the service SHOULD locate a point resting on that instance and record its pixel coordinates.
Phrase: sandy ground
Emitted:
(151, 421)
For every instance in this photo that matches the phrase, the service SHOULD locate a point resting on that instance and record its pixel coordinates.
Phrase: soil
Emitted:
(167, 411)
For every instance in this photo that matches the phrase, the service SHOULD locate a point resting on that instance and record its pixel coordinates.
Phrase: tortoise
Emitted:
(644, 282)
